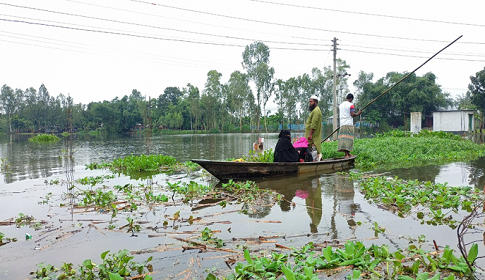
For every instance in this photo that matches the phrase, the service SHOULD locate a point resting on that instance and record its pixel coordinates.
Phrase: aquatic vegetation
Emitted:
(402, 149)
(190, 191)
(5, 166)
(46, 198)
(23, 220)
(143, 166)
(65, 134)
(44, 138)
(4, 240)
(94, 180)
(116, 266)
(425, 198)
(94, 165)
(97, 198)
(373, 261)
(143, 163)
(248, 191)
(54, 181)
(207, 236)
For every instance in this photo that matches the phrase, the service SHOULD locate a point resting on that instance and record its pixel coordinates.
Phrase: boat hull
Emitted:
(226, 170)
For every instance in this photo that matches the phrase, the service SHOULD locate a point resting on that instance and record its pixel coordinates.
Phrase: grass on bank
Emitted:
(402, 149)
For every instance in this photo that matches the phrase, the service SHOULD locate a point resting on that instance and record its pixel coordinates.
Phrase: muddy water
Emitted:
(316, 207)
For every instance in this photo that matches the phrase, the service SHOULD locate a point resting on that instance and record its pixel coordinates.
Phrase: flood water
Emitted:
(316, 207)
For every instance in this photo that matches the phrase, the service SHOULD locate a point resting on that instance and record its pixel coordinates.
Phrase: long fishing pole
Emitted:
(399, 81)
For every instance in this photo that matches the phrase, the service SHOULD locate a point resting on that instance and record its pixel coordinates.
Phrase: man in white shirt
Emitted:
(346, 131)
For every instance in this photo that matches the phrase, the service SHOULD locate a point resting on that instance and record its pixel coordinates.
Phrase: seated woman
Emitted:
(284, 150)
(304, 153)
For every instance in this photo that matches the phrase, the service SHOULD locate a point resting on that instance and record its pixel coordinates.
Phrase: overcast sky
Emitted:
(97, 50)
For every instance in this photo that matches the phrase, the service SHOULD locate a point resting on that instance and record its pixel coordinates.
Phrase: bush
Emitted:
(246, 128)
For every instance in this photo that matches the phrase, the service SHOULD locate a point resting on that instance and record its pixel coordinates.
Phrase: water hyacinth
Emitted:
(402, 149)
(44, 138)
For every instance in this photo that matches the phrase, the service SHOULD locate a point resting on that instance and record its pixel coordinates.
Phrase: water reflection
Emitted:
(328, 199)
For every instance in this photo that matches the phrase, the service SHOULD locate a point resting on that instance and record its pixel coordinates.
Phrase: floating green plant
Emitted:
(4, 240)
(115, 266)
(374, 262)
(402, 149)
(142, 166)
(44, 138)
(401, 197)
(207, 236)
(94, 180)
(97, 198)
(5, 166)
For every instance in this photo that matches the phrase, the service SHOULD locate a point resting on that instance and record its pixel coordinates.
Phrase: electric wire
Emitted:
(369, 14)
(149, 37)
(414, 56)
(152, 26)
(104, 49)
(191, 21)
(287, 25)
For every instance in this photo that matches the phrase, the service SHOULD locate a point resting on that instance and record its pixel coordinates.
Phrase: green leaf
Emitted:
(327, 253)
(404, 277)
(103, 255)
(288, 273)
(473, 253)
(88, 264)
(356, 274)
(308, 271)
(422, 276)
(416, 266)
(115, 276)
(248, 257)
(211, 276)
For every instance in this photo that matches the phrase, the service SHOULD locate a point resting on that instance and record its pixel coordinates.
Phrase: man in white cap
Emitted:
(313, 126)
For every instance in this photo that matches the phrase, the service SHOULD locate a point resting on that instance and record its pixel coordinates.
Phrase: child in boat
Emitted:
(304, 152)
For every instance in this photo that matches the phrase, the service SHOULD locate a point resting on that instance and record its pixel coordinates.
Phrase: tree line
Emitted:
(237, 105)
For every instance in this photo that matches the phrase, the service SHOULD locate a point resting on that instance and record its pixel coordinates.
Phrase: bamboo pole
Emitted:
(399, 82)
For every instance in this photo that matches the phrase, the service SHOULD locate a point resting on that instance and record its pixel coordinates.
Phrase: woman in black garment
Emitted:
(284, 150)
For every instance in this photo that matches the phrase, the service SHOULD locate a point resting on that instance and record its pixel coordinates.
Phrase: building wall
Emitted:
(452, 121)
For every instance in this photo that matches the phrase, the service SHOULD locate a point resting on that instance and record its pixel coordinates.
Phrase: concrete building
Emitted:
(453, 121)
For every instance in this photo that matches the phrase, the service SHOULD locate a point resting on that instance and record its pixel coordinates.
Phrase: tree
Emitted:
(212, 97)
(43, 103)
(238, 90)
(194, 104)
(256, 63)
(10, 102)
(414, 94)
(477, 89)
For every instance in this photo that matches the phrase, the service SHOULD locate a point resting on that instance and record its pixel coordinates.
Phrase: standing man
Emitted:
(313, 126)
(346, 132)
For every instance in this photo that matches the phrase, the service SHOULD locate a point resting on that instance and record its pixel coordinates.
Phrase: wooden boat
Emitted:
(226, 170)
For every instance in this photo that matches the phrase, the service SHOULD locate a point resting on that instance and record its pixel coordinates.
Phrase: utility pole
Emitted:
(335, 120)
